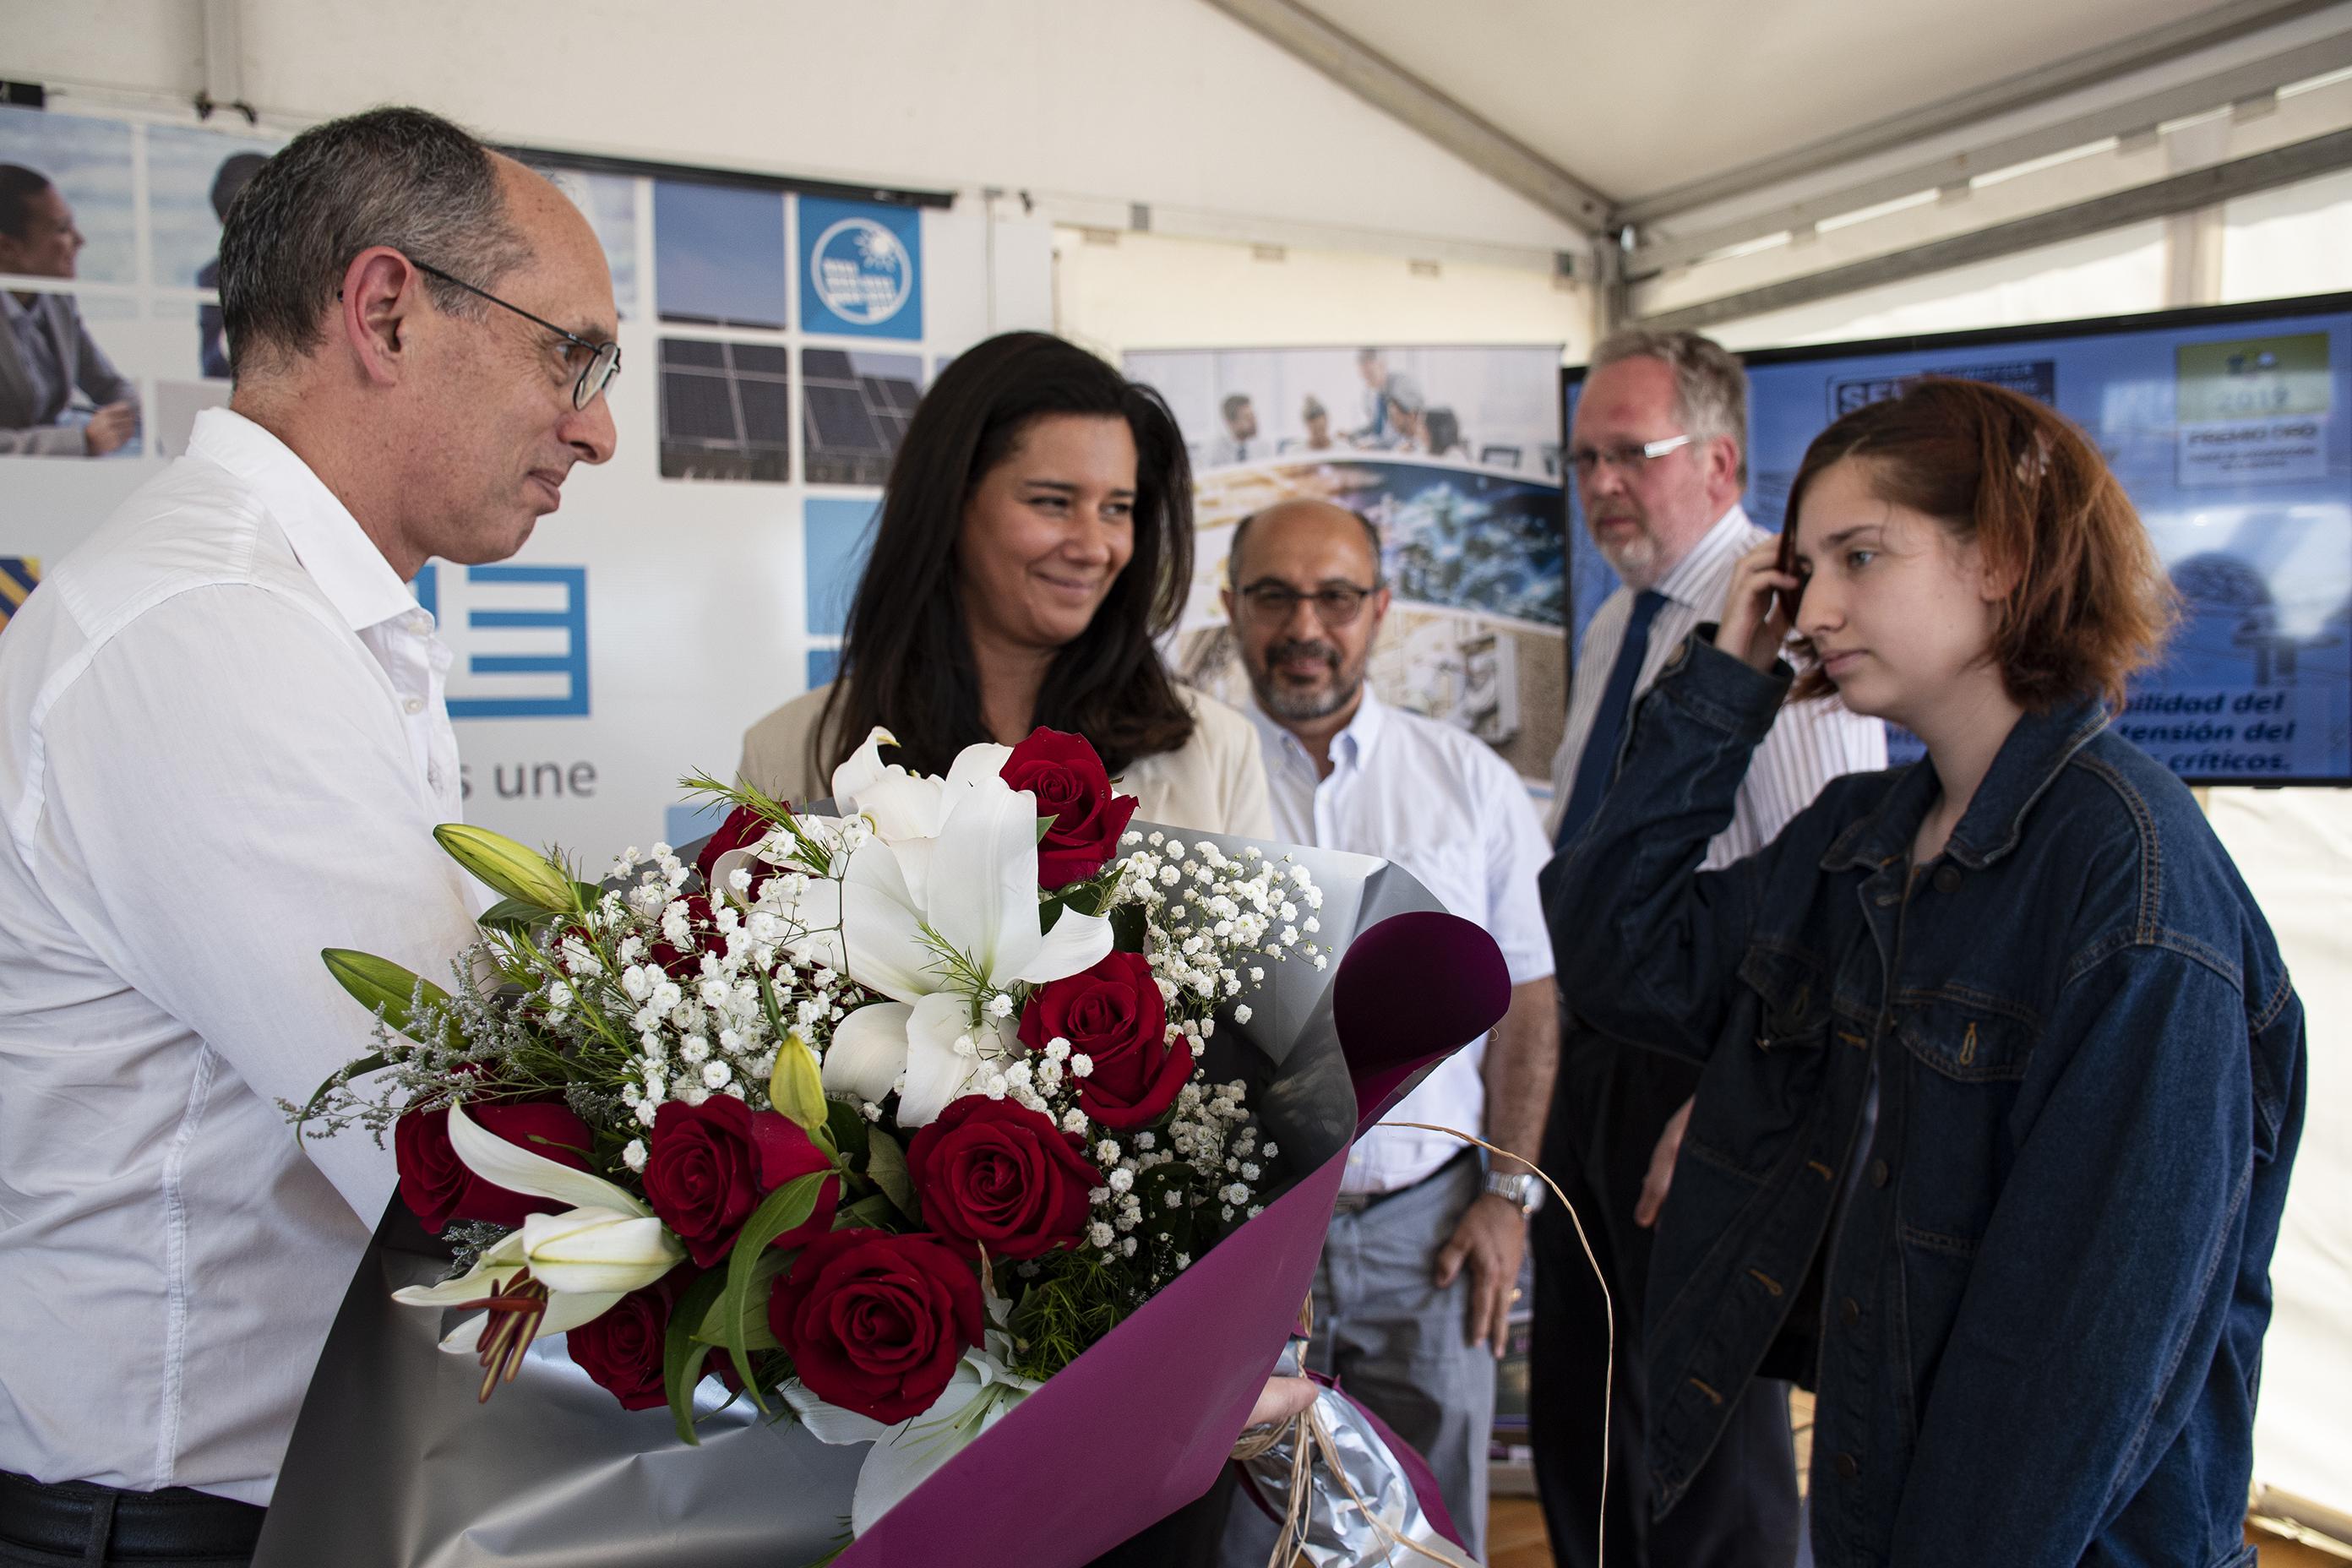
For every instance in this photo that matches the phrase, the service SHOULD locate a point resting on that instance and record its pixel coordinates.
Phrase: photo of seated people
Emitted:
(59, 394)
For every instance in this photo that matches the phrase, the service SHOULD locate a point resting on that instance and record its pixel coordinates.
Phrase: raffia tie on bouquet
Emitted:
(1310, 1435)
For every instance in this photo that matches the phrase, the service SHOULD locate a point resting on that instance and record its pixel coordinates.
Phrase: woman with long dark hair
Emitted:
(1036, 538)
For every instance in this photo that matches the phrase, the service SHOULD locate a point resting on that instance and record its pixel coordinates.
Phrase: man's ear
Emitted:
(375, 309)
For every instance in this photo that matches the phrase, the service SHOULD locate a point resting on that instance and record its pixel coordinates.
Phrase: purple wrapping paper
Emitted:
(393, 1463)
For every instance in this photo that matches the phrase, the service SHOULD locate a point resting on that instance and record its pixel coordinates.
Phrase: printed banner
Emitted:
(1453, 454)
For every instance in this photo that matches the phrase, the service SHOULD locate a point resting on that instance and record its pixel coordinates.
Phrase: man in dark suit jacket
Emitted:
(45, 351)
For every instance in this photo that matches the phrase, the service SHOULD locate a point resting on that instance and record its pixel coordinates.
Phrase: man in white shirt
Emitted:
(1241, 442)
(1419, 1266)
(223, 747)
(1659, 453)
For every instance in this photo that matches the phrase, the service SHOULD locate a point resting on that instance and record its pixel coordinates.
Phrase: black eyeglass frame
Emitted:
(1325, 600)
(582, 394)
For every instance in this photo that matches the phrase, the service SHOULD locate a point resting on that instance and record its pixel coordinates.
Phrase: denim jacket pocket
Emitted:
(1966, 1036)
(1792, 994)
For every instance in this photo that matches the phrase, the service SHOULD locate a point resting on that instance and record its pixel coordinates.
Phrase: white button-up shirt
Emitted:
(223, 747)
(1810, 743)
(1438, 802)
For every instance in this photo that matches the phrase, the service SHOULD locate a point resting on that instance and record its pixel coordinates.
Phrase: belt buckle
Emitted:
(1352, 1203)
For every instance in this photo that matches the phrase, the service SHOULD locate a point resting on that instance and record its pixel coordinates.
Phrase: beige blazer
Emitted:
(1215, 783)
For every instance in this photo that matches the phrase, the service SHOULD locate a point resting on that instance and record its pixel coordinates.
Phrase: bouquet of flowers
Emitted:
(893, 1148)
(881, 1118)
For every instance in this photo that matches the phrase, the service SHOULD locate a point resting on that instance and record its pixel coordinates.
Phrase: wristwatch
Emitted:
(1522, 1189)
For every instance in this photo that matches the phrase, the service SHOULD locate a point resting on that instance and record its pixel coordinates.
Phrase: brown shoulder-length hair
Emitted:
(2088, 602)
(907, 659)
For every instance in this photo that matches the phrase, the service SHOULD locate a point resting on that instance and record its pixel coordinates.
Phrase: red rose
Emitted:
(742, 829)
(999, 1173)
(708, 1165)
(621, 1347)
(877, 1322)
(1063, 771)
(685, 963)
(1113, 1014)
(438, 1187)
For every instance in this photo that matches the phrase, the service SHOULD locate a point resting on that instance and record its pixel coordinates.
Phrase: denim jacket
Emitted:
(1995, 1153)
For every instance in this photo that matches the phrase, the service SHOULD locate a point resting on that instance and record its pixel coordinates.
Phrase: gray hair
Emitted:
(392, 176)
(1710, 385)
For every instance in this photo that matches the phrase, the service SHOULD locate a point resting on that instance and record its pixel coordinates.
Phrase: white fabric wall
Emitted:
(1130, 101)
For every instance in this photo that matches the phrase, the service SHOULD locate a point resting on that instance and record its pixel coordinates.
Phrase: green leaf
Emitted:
(886, 1167)
(683, 1355)
(753, 1330)
(512, 914)
(1127, 927)
(873, 1212)
(377, 982)
(846, 1125)
(782, 1210)
(1045, 825)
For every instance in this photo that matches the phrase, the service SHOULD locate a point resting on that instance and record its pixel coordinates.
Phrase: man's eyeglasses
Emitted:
(1273, 604)
(1628, 459)
(603, 361)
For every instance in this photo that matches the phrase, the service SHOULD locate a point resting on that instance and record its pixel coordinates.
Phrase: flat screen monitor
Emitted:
(2231, 429)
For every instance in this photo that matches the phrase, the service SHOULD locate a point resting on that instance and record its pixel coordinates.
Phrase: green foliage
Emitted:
(682, 1354)
(1074, 1299)
(789, 1205)
(885, 1167)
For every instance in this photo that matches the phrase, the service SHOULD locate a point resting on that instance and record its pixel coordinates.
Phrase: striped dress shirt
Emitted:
(1810, 743)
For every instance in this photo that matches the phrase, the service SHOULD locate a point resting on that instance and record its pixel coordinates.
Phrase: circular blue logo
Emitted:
(861, 271)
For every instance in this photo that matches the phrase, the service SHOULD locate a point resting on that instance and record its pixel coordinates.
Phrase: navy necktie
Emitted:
(1599, 759)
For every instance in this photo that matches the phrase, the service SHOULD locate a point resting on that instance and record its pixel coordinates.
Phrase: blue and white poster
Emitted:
(861, 269)
(2228, 427)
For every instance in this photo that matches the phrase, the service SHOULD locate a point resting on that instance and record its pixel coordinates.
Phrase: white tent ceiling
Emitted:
(1708, 144)
(1636, 100)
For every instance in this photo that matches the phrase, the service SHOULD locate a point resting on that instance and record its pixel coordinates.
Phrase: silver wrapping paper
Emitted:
(1340, 1529)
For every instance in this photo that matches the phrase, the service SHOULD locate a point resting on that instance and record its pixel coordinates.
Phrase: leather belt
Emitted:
(83, 1520)
(1357, 1202)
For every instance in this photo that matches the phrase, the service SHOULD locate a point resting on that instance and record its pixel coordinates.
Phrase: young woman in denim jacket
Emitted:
(2003, 1074)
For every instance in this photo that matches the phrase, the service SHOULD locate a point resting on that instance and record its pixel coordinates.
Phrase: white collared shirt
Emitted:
(1810, 743)
(223, 747)
(1438, 802)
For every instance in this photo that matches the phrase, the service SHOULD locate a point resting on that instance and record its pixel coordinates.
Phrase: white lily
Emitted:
(590, 1257)
(903, 804)
(980, 1395)
(938, 946)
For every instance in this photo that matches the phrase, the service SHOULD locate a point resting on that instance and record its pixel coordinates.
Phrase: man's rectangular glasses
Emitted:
(1273, 604)
(604, 359)
(1629, 458)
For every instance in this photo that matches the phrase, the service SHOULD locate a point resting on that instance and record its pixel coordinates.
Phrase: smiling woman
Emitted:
(1034, 540)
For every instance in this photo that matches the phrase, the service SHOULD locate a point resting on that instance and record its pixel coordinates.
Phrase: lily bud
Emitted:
(591, 1251)
(511, 869)
(377, 982)
(795, 1087)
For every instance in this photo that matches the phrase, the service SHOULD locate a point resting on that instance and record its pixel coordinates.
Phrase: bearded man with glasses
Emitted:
(1422, 1259)
(1659, 455)
(223, 745)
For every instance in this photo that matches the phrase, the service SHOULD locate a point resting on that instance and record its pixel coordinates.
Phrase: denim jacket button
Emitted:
(1947, 879)
(1847, 1466)
(1878, 1173)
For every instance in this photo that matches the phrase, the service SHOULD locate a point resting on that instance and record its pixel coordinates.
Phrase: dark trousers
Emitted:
(77, 1524)
(1611, 1104)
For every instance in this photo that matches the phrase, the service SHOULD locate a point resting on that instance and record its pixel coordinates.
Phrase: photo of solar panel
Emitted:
(854, 411)
(726, 411)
